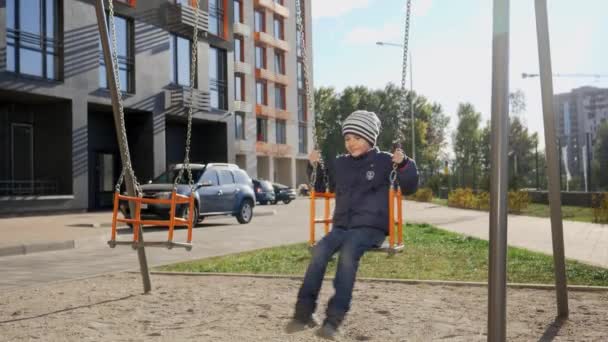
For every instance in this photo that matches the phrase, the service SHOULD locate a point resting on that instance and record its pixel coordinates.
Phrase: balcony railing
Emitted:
(242, 29)
(181, 18)
(182, 96)
(28, 188)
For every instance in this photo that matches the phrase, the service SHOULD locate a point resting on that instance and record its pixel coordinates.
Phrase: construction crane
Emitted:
(527, 75)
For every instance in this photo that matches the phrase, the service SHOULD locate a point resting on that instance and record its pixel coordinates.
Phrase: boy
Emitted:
(360, 180)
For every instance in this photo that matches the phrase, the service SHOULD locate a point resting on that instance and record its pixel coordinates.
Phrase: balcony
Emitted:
(264, 74)
(181, 18)
(281, 10)
(281, 44)
(282, 79)
(282, 114)
(242, 67)
(264, 38)
(268, 4)
(241, 29)
(183, 97)
(262, 110)
(272, 6)
(275, 150)
(242, 106)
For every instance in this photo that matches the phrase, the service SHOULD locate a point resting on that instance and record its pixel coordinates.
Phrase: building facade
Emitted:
(579, 116)
(58, 147)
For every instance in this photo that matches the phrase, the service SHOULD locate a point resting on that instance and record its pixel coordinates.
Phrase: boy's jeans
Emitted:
(351, 243)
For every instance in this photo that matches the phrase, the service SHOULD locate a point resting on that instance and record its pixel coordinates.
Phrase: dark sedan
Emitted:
(283, 193)
(264, 192)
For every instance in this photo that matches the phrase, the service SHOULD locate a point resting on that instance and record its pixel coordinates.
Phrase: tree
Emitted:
(600, 157)
(467, 147)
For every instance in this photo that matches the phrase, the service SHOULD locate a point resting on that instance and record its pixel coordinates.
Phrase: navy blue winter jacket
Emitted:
(361, 186)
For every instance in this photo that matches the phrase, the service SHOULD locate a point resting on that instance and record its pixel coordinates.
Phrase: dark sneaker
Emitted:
(328, 331)
(296, 325)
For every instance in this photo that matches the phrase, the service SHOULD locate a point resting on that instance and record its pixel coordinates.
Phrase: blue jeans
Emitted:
(351, 243)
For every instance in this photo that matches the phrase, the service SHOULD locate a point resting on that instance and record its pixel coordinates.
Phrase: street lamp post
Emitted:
(411, 96)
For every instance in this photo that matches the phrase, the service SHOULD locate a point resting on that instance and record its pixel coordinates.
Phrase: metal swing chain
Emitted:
(127, 167)
(309, 96)
(193, 63)
(403, 102)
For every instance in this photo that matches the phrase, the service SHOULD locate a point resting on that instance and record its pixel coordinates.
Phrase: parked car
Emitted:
(283, 193)
(264, 192)
(220, 189)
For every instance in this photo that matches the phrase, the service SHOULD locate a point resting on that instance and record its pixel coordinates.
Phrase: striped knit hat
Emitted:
(364, 124)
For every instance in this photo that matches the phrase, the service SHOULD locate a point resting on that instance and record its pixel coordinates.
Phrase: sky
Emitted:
(451, 49)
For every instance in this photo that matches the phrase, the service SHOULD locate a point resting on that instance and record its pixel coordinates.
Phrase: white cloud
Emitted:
(335, 8)
(420, 7)
(390, 32)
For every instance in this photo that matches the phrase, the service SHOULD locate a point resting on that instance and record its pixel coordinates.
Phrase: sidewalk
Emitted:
(33, 234)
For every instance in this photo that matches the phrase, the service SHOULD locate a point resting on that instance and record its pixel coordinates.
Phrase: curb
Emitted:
(581, 288)
(23, 249)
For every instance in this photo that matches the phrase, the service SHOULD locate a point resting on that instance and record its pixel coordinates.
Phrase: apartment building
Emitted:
(58, 147)
(579, 115)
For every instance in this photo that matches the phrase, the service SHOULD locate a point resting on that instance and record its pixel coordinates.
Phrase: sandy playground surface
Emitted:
(217, 308)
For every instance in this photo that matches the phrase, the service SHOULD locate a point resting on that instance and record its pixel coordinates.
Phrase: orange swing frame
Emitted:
(395, 198)
(137, 221)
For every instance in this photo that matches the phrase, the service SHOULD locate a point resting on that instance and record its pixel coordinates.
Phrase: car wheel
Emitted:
(245, 212)
(286, 201)
(195, 217)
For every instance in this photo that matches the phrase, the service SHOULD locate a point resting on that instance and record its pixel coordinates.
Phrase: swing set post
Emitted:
(130, 182)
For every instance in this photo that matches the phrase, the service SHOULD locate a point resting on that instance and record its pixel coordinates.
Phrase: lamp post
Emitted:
(411, 96)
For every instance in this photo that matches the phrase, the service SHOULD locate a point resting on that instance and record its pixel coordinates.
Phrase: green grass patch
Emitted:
(430, 253)
(569, 213)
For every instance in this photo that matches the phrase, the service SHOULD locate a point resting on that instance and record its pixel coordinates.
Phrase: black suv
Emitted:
(220, 189)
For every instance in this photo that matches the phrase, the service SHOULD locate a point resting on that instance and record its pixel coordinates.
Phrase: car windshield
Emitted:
(169, 177)
(266, 185)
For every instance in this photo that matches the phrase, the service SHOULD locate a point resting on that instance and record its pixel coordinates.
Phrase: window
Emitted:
(217, 78)
(302, 139)
(259, 21)
(279, 97)
(180, 51)
(299, 43)
(226, 177)
(22, 152)
(279, 63)
(216, 17)
(261, 96)
(210, 176)
(126, 61)
(33, 38)
(301, 107)
(239, 126)
(239, 87)
(279, 32)
(300, 75)
(238, 11)
(239, 55)
(262, 129)
(281, 132)
(260, 57)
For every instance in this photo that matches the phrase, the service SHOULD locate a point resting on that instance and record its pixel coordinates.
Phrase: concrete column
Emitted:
(80, 153)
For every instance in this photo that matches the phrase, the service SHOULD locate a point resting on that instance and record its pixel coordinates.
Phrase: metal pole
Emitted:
(107, 56)
(557, 234)
(412, 108)
(537, 178)
(497, 278)
(588, 156)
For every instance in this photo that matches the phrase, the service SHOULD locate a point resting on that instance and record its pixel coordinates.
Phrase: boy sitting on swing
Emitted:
(361, 181)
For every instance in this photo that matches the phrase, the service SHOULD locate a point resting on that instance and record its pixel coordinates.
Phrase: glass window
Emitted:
(281, 132)
(216, 17)
(302, 139)
(300, 75)
(238, 49)
(180, 50)
(279, 63)
(226, 177)
(239, 84)
(259, 21)
(278, 28)
(262, 129)
(241, 177)
(299, 43)
(210, 176)
(301, 107)
(279, 97)
(260, 93)
(217, 78)
(125, 56)
(32, 40)
(239, 126)
(238, 11)
(260, 57)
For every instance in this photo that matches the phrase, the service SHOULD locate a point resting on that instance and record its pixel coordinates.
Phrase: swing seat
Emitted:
(395, 223)
(136, 221)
